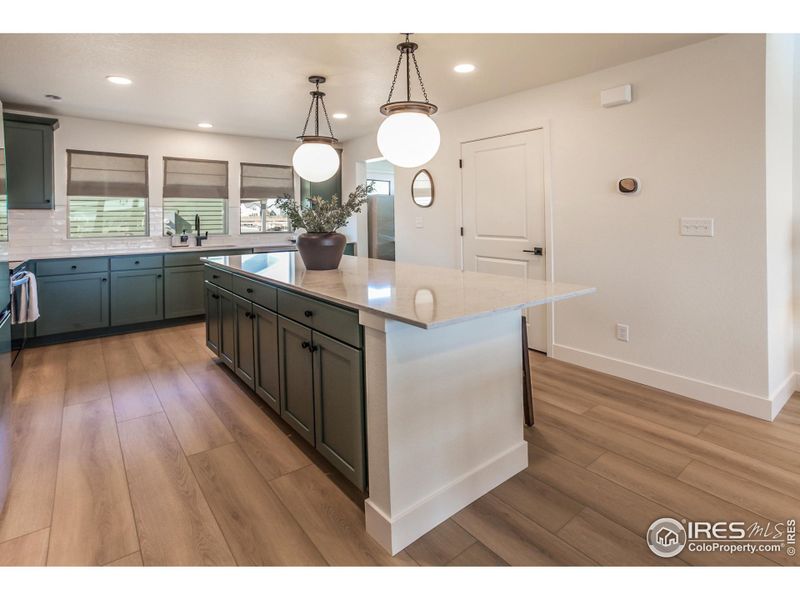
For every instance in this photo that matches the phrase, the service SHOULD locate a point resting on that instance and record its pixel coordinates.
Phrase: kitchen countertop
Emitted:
(270, 247)
(423, 296)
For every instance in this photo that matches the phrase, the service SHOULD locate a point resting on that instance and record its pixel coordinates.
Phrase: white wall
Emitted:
(695, 136)
(779, 121)
(39, 232)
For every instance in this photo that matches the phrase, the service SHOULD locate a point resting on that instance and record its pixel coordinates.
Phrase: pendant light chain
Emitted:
(409, 51)
(317, 98)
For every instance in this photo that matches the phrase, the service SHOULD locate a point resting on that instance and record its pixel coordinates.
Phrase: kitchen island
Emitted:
(434, 355)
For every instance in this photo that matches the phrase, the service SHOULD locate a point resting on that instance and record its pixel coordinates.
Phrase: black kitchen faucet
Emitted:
(199, 238)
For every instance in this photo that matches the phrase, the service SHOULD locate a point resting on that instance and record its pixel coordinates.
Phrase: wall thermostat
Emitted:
(628, 185)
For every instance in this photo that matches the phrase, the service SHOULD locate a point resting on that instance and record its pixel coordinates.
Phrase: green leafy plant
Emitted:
(317, 215)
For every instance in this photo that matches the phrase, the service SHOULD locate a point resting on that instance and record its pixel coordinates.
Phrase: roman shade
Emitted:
(266, 181)
(106, 174)
(195, 178)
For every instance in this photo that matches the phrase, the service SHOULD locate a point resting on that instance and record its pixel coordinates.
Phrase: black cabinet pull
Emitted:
(252, 315)
(47, 200)
(215, 296)
(104, 279)
(73, 267)
(158, 276)
(247, 314)
(313, 349)
(215, 277)
(249, 290)
(305, 345)
(136, 262)
(308, 314)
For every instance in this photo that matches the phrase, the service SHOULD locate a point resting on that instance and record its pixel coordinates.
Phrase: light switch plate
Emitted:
(623, 332)
(703, 227)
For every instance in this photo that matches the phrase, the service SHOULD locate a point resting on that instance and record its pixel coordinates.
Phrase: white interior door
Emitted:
(504, 213)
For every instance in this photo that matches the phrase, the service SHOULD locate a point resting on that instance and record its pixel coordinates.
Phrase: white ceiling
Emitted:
(256, 84)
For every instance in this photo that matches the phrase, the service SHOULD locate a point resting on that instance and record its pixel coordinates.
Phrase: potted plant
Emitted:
(321, 247)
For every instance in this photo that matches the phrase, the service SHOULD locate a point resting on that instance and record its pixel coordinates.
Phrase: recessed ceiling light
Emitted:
(339, 115)
(119, 80)
(464, 68)
(53, 97)
(205, 125)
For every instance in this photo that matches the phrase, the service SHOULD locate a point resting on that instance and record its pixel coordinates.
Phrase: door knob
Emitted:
(537, 251)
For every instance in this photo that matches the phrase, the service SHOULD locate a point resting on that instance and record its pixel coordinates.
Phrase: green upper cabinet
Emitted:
(72, 303)
(137, 296)
(29, 161)
(326, 189)
(183, 292)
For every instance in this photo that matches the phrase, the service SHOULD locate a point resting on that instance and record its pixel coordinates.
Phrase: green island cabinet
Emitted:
(302, 356)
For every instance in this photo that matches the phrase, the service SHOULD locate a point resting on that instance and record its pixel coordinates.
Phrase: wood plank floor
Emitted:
(140, 449)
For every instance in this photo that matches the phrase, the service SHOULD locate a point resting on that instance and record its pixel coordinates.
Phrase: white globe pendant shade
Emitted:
(315, 161)
(408, 139)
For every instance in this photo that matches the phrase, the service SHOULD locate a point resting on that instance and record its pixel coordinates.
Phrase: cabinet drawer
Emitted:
(337, 322)
(217, 277)
(260, 293)
(129, 263)
(66, 266)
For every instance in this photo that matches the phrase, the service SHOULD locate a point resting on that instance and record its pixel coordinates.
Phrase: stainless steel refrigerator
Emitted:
(5, 331)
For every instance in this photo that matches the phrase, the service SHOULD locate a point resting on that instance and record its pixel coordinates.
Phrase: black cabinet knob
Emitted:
(247, 314)
(308, 313)
(73, 267)
(215, 277)
(104, 279)
(313, 349)
(305, 345)
(158, 276)
(252, 315)
(136, 262)
(249, 290)
(215, 296)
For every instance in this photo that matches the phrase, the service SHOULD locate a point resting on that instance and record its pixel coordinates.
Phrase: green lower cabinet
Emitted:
(227, 328)
(296, 377)
(137, 296)
(339, 406)
(183, 292)
(72, 303)
(212, 307)
(244, 359)
(267, 384)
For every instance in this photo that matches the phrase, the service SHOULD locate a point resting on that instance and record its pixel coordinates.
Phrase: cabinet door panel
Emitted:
(296, 377)
(137, 296)
(72, 303)
(267, 383)
(212, 317)
(183, 292)
(339, 406)
(227, 328)
(244, 353)
(29, 158)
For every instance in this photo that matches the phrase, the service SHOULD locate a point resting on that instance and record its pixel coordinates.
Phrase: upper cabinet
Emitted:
(29, 160)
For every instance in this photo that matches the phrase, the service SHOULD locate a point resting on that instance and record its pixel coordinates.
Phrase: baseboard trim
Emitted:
(395, 533)
(781, 396)
(742, 402)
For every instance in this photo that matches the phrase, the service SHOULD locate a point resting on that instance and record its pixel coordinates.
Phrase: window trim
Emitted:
(243, 199)
(226, 215)
(146, 157)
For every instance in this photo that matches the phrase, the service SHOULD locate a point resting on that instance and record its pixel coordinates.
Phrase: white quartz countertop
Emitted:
(128, 251)
(424, 296)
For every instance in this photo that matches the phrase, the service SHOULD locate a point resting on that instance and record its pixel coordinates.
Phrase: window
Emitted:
(380, 186)
(106, 194)
(261, 186)
(195, 189)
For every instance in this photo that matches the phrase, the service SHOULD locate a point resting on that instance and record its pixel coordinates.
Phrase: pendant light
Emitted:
(408, 137)
(316, 159)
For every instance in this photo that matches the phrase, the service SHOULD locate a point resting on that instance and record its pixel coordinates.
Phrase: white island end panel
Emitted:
(444, 419)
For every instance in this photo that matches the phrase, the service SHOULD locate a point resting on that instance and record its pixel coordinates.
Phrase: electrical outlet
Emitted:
(623, 332)
(703, 227)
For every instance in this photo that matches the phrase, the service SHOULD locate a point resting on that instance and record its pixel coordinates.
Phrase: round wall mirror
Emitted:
(422, 189)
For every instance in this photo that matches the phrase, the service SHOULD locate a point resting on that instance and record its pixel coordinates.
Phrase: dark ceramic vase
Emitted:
(321, 251)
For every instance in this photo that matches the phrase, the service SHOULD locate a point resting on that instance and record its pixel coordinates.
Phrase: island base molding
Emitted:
(444, 419)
